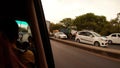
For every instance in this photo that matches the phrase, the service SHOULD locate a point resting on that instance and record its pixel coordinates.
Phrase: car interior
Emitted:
(31, 12)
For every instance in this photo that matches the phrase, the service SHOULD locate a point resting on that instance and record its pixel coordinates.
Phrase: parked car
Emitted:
(60, 35)
(113, 38)
(91, 37)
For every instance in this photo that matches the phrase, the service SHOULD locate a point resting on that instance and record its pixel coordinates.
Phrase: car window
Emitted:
(118, 35)
(88, 34)
(114, 35)
(65, 14)
(82, 33)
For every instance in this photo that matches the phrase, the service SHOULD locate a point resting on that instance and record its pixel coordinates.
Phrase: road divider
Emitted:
(100, 50)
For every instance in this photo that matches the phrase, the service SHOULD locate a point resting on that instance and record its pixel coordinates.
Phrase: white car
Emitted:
(91, 37)
(60, 35)
(113, 38)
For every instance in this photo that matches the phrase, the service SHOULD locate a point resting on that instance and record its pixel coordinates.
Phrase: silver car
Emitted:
(91, 37)
(114, 38)
(60, 35)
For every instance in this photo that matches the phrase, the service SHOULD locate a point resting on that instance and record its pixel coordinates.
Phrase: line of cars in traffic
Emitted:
(91, 37)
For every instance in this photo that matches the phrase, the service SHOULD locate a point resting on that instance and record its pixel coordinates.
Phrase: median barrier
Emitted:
(101, 50)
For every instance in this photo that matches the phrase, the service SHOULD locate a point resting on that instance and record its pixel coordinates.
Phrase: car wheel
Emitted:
(109, 42)
(96, 44)
(78, 40)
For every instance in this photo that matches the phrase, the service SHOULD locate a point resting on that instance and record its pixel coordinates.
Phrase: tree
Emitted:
(111, 27)
(55, 26)
(107, 29)
(90, 21)
(114, 25)
(67, 22)
(118, 20)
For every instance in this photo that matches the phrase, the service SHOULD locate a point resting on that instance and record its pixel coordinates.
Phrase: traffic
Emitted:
(92, 38)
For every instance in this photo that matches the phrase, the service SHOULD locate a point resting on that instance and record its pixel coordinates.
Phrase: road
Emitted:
(114, 46)
(71, 57)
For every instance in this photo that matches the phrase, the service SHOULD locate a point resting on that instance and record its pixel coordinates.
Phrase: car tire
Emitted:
(109, 42)
(96, 43)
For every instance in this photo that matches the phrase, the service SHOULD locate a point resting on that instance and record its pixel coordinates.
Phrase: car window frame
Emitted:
(44, 33)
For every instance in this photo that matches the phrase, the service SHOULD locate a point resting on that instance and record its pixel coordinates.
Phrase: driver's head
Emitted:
(9, 28)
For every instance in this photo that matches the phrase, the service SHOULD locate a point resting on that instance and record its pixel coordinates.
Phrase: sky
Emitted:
(57, 10)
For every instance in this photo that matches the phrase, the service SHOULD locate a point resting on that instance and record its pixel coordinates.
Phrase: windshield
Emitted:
(96, 34)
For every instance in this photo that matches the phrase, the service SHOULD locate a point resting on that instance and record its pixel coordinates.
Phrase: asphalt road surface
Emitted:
(71, 57)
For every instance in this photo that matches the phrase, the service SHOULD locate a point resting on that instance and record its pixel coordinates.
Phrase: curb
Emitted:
(100, 50)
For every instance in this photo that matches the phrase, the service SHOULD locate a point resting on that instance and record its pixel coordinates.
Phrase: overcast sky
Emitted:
(56, 10)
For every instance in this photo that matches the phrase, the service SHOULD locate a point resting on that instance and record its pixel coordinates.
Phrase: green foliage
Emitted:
(55, 26)
(67, 22)
(90, 21)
